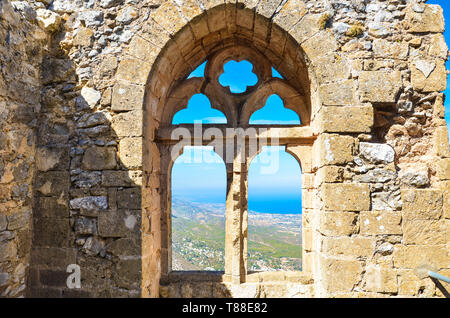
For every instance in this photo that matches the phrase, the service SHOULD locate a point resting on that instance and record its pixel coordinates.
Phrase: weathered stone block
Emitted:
(108, 67)
(329, 174)
(380, 279)
(380, 222)
(412, 256)
(356, 246)
(84, 225)
(91, 96)
(53, 277)
(52, 158)
(54, 183)
(93, 245)
(446, 197)
(320, 44)
(53, 257)
(432, 232)
(291, 12)
(90, 205)
(143, 49)
(133, 71)
(411, 285)
(379, 86)
(386, 201)
(305, 28)
(168, 16)
(438, 107)
(338, 223)
(387, 49)
(83, 37)
(8, 251)
(438, 47)
(377, 153)
(4, 279)
(127, 96)
(346, 197)
(337, 94)
(130, 152)
(428, 75)
(428, 19)
(339, 275)
(267, 8)
(128, 124)
(52, 232)
(19, 219)
(443, 169)
(335, 149)
(331, 68)
(377, 175)
(200, 30)
(414, 178)
(346, 119)
(245, 19)
(423, 204)
(87, 179)
(49, 133)
(123, 247)
(48, 20)
(3, 222)
(95, 272)
(129, 198)
(92, 120)
(99, 158)
(119, 223)
(128, 273)
(111, 178)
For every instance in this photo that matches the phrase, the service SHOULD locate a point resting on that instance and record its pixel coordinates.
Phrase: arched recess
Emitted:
(167, 60)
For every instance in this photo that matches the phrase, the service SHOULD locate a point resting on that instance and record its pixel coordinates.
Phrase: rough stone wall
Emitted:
(88, 201)
(20, 60)
(378, 204)
(384, 193)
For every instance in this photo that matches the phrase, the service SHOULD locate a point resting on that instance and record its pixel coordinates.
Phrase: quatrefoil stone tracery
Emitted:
(237, 107)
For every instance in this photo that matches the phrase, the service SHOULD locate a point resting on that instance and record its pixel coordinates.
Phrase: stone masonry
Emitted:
(87, 92)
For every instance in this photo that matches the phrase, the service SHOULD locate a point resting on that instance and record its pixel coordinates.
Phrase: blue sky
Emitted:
(277, 192)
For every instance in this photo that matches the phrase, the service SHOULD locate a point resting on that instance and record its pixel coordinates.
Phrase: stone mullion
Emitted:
(235, 243)
(229, 212)
(244, 211)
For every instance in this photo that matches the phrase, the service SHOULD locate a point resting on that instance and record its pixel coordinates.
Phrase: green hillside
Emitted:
(198, 238)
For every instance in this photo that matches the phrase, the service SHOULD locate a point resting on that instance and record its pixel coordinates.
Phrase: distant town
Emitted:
(198, 238)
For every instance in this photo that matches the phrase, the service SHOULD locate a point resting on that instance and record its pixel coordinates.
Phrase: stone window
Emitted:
(249, 127)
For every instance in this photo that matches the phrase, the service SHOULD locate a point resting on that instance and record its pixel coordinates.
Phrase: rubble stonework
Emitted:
(20, 60)
(87, 89)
